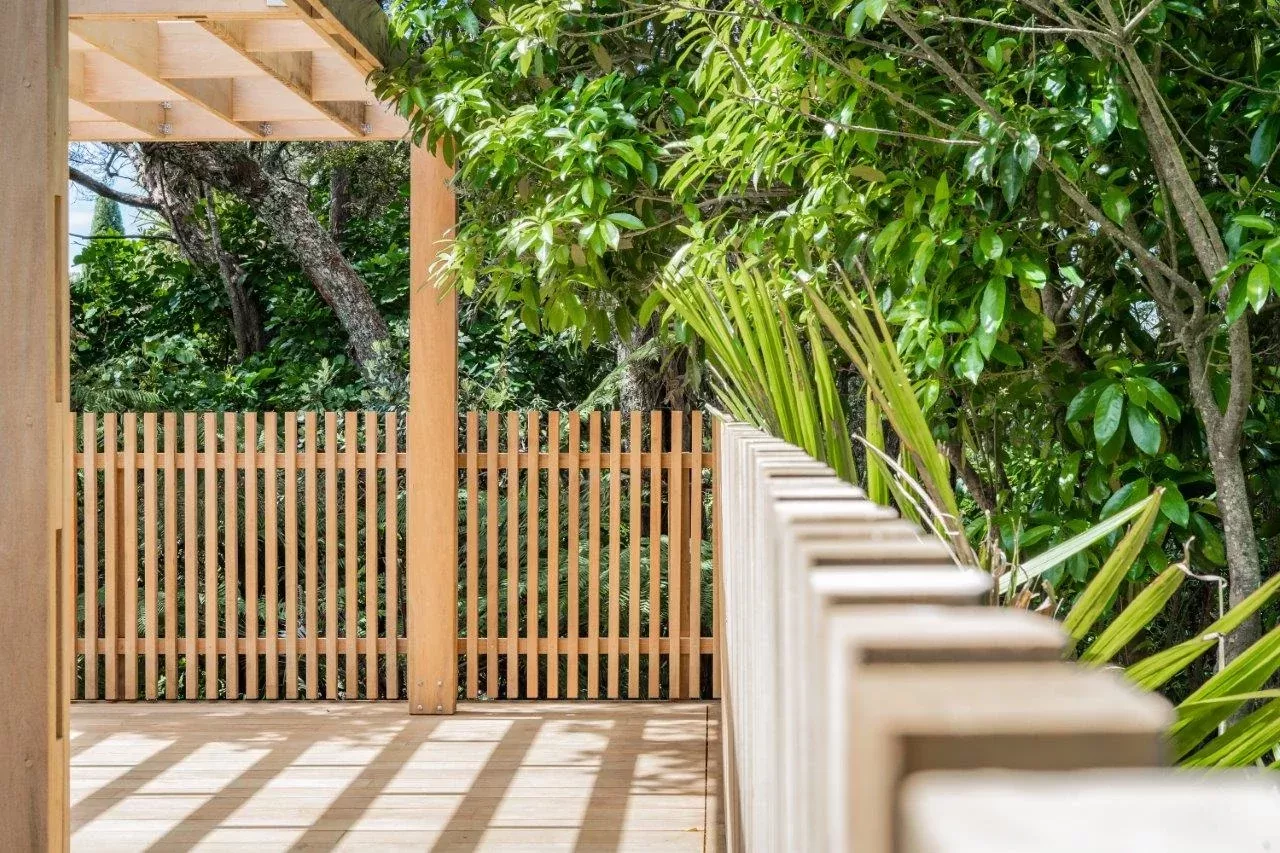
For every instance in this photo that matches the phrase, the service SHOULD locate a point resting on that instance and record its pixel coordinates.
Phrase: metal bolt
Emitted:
(439, 709)
(166, 129)
(366, 128)
(265, 128)
(419, 707)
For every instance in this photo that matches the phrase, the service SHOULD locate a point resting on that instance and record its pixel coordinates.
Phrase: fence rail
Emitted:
(261, 555)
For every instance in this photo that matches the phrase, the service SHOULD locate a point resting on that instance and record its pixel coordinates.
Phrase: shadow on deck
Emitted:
(517, 776)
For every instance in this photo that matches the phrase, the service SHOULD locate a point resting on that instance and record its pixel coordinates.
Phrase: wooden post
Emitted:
(33, 298)
(431, 558)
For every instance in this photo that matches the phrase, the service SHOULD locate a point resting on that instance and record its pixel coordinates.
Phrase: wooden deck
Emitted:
(513, 776)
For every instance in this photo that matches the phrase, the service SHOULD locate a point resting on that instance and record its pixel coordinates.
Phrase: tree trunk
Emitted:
(1243, 559)
(281, 204)
(339, 201)
(176, 194)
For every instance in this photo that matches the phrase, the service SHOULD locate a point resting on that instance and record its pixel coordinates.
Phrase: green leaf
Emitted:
(1093, 601)
(1107, 413)
(1083, 403)
(1159, 397)
(1011, 177)
(990, 314)
(990, 244)
(1077, 544)
(1255, 223)
(1145, 607)
(626, 220)
(1103, 114)
(1154, 671)
(971, 361)
(1173, 505)
(1115, 204)
(1258, 286)
(1237, 301)
(1144, 430)
(1263, 144)
(1123, 496)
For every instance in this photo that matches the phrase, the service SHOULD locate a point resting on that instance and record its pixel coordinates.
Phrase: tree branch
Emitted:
(109, 192)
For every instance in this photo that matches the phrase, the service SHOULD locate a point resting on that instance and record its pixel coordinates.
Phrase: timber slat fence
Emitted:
(873, 701)
(261, 555)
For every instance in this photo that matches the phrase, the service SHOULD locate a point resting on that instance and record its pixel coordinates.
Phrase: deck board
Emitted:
(498, 776)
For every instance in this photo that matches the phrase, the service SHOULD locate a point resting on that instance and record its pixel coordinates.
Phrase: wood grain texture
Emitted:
(210, 541)
(513, 555)
(231, 553)
(533, 516)
(553, 551)
(499, 776)
(34, 591)
(473, 556)
(271, 554)
(432, 544)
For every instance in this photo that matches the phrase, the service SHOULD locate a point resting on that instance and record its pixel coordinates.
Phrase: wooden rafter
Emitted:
(175, 10)
(292, 69)
(137, 45)
(221, 69)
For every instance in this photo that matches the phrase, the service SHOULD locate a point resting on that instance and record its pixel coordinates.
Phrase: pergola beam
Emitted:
(176, 10)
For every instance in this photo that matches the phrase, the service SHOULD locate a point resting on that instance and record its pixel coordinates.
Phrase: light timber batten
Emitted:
(432, 547)
(33, 424)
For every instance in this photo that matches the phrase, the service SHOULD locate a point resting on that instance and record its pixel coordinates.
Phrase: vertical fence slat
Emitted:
(330, 582)
(251, 555)
(675, 545)
(150, 581)
(312, 616)
(170, 555)
(572, 623)
(210, 633)
(472, 627)
(391, 511)
(130, 586)
(190, 556)
(230, 552)
(371, 555)
(291, 555)
(88, 447)
(350, 557)
(513, 555)
(111, 556)
(634, 472)
(717, 545)
(615, 551)
(271, 557)
(694, 667)
(491, 555)
(553, 555)
(89, 439)
(655, 552)
(593, 555)
(533, 628)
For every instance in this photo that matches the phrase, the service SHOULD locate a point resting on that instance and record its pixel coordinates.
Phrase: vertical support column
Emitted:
(431, 558)
(33, 593)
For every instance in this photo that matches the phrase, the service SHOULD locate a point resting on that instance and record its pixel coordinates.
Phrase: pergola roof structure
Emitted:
(184, 70)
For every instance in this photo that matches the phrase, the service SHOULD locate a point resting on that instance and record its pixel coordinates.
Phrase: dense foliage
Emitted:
(1066, 210)
(150, 331)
